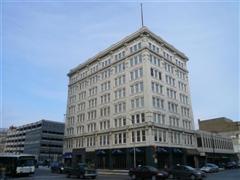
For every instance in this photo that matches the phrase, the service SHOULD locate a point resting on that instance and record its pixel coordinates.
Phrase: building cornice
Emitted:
(142, 31)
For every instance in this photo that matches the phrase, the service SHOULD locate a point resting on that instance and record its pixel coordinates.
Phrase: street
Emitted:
(44, 173)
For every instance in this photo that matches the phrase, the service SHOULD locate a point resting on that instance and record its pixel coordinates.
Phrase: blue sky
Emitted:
(41, 42)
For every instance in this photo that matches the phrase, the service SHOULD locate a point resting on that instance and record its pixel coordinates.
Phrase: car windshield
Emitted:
(152, 168)
(211, 165)
(189, 168)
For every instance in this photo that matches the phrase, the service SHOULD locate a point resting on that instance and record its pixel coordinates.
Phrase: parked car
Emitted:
(210, 168)
(40, 163)
(222, 165)
(147, 172)
(231, 165)
(186, 172)
(57, 167)
(81, 170)
(46, 163)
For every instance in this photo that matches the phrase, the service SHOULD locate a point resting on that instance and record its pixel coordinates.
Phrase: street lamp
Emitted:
(134, 148)
(134, 145)
(134, 153)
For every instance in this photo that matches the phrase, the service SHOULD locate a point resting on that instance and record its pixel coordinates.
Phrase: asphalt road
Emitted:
(43, 173)
(232, 174)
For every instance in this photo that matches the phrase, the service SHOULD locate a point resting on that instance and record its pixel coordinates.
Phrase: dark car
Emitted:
(231, 165)
(81, 170)
(147, 172)
(186, 172)
(57, 167)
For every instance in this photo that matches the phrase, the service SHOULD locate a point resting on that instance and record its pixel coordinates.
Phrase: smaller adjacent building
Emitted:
(224, 127)
(3, 135)
(214, 148)
(43, 138)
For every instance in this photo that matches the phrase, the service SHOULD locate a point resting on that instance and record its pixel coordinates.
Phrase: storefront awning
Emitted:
(67, 155)
(177, 151)
(137, 150)
(162, 150)
(117, 152)
(100, 153)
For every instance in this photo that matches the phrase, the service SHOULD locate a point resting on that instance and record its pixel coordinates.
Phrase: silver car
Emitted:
(210, 168)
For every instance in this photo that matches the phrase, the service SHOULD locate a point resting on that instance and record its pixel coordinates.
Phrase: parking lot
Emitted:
(43, 173)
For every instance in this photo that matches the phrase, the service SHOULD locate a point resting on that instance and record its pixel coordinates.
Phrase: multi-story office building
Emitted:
(43, 138)
(225, 127)
(3, 135)
(214, 148)
(132, 98)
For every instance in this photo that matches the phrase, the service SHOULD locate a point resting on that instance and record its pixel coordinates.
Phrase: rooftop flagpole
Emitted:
(142, 15)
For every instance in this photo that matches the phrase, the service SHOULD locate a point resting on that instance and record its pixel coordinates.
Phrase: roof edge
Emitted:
(121, 42)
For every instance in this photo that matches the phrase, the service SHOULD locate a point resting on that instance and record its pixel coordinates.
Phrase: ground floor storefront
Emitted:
(124, 158)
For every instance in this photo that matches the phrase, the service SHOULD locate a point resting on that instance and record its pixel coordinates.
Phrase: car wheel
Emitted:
(154, 178)
(133, 176)
(192, 177)
(81, 176)
(171, 176)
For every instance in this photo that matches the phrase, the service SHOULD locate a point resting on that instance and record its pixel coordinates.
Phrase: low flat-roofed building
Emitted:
(214, 148)
(3, 135)
(225, 127)
(43, 139)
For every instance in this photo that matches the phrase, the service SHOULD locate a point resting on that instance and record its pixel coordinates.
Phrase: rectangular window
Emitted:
(120, 138)
(116, 139)
(138, 118)
(124, 137)
(133, 136)
(152, 72)
(143, 135)
(136, 74)
(143, 117)
(155, 135)
(133, 119)
(138, 136)
(124, 122)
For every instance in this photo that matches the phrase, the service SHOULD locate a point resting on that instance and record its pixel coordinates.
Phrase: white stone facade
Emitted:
(135, 93)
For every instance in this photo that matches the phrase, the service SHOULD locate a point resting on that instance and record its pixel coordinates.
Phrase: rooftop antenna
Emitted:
(142, 15)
